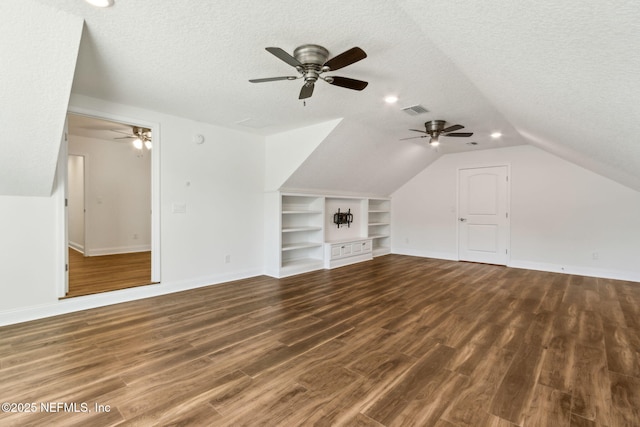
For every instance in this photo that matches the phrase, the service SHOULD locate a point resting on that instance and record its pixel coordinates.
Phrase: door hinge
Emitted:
(507, 178)
(507, 214)
(65, 137)
(66, 267)
(66, 203)
(506, 251)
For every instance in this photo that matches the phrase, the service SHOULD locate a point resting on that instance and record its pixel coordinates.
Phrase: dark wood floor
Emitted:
(96, 274)
(396, 341)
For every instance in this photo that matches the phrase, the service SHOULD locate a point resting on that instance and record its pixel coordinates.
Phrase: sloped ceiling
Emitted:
(39, 46)
(557, 75)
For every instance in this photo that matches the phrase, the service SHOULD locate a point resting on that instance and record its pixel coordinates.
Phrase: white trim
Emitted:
(59, 196)
(76, 247)
(71, 305)
(576, 270)
(155, 177)
(425, 254)
(537, 266)
(117, 250)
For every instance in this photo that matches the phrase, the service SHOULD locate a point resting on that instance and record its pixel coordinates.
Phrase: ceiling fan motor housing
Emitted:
(312, 57)
(311, 54)
(434, 126)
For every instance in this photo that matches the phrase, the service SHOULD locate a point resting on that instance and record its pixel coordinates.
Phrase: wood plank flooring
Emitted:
(397, 341)
(92, 275)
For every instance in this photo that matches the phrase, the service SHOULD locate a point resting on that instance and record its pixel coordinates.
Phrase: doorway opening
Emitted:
(109, 180)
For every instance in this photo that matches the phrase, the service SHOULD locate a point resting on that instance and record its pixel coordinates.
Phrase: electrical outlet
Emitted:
(135, 236)
(595, 255)
(227, 259)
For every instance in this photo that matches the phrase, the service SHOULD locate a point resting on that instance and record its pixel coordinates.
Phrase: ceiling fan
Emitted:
(141, 136)
(435, 129)
(310, 60)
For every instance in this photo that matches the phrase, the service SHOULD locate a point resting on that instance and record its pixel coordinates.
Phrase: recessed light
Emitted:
(391, 99)
(496, 135)
(100, 3)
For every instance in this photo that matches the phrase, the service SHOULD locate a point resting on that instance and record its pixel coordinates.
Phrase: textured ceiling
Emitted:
(561, 76)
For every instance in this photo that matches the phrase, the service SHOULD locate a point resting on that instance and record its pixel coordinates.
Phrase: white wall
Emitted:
(118, 196)
(39, 46)
(561, 214)
(286, 151)
(356, 229)
(221, 184)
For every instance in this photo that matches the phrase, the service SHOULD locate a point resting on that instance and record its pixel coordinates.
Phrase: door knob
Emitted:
(462, 219)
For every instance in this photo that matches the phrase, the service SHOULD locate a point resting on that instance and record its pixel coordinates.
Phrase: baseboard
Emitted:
(576, 270)
(425, 254)
(118, 250)
(76, 247)
(10, 317)
(538, 266)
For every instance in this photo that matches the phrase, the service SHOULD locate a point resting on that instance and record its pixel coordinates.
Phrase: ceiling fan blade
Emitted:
(413, 137)
(306, 91)
(272, 79)
(452, 128)
(459, 134)
(348, 83)
(421, 131)
(284, 56)
(352, 55)
(120, 131)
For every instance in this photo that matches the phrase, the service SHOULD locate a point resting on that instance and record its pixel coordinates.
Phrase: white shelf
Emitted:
(296, 229)
(300, 265)
(301, 212)
(305, 231)
(300, 245)
(378, 236)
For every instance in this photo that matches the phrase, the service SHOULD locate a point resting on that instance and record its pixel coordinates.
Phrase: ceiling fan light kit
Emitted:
(311, 62)
(141, 137)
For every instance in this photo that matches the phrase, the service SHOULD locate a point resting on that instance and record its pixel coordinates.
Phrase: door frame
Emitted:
(84, 203)
(508, 198)
(63, 279)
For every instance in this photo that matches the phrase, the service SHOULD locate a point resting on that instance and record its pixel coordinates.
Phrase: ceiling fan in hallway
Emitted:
(436, 128)
(310, 61)
(141, 136)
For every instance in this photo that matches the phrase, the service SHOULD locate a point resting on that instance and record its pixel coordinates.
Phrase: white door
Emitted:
(483, 215)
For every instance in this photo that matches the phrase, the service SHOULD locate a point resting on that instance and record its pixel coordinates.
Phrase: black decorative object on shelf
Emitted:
(341, 218)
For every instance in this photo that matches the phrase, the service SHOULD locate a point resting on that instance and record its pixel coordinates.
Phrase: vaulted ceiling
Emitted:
(558, 75)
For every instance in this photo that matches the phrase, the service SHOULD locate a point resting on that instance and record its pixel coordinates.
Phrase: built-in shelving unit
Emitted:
(302, 234)
(379, 225)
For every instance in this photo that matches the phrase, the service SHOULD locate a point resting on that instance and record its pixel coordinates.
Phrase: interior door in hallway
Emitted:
(483, 215)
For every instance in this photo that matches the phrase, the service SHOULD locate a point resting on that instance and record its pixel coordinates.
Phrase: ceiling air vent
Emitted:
(414, 110)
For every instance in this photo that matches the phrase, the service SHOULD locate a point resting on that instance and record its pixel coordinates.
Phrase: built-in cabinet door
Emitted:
(346, 249)
(336, 251)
